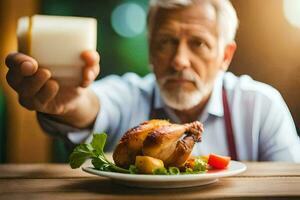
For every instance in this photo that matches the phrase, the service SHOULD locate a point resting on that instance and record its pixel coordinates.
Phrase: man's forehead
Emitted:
(203, 14)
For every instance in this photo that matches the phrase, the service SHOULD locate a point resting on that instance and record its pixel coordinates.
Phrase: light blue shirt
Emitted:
(262, 124)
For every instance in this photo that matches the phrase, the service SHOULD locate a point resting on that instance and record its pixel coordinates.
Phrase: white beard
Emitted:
(180, 99)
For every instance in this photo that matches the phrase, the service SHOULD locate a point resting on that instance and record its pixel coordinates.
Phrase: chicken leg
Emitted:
(131, 143)
(165, 144)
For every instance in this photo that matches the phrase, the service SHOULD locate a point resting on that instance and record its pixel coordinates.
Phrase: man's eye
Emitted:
(198, 44)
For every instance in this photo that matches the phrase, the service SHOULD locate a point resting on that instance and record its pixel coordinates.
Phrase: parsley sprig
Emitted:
(94, 151)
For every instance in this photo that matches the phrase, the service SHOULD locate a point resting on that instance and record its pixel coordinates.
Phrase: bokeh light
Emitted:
(129, 19)
(292, 12)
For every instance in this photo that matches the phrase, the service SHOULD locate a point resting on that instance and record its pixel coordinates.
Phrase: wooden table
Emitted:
(59, 181)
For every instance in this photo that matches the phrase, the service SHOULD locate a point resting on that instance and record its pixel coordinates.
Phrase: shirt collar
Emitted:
(214, 105)
(158, 101)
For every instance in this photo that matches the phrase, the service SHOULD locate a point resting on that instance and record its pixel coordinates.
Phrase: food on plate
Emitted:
(95, 152)
(158, 139)
(131, 143)
(218, 162)
(154, 147)
(147, 164)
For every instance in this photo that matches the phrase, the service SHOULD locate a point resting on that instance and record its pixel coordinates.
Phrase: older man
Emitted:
(191, 47)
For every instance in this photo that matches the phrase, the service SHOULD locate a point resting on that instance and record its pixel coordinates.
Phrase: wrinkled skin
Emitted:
(159, 139)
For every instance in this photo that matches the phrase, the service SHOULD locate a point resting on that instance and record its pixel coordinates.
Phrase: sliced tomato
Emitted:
(218, 162)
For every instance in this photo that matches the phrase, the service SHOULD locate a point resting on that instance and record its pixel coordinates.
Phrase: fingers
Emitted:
(13, 79)
(47, 92)
(89, 75)
(92, 68)
(21, 63)
(20, 66)
(40, 100)
(33, 84)
(29, 86)
(90, 57)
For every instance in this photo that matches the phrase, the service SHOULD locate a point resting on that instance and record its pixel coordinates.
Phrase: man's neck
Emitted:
(190, 115)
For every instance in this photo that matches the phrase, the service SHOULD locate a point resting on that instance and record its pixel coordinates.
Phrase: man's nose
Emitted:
(181, 58)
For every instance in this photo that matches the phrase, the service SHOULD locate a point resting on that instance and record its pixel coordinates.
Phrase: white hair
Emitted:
(226, 15)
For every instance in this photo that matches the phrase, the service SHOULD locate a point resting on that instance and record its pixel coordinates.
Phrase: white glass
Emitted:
(56, 42)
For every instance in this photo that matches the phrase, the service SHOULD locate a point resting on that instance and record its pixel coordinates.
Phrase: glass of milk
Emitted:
(56, 42)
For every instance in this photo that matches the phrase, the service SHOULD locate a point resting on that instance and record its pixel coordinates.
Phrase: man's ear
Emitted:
(228, 55)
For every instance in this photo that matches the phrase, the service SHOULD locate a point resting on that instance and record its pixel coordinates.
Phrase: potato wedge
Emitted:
(147, 164)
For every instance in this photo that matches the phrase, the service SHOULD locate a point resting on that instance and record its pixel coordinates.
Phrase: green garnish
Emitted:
(174, 171)
(188, 171)
(200, 165)
(160, 171)
(94, 151)
(133, 169)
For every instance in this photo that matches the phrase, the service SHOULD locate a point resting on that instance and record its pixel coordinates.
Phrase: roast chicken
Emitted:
(171, 143)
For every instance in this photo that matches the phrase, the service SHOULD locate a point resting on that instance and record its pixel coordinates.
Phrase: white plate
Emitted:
(170, 181)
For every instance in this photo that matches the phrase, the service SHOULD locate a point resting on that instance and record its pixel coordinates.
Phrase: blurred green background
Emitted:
(121, 40)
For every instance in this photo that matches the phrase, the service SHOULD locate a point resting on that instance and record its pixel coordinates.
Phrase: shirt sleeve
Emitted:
(58, 129)
(278, 137)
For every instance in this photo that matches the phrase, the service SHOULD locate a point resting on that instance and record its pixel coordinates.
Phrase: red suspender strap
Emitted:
(228, 126)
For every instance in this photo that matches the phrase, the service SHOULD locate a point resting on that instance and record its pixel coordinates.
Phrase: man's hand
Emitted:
(38, 91)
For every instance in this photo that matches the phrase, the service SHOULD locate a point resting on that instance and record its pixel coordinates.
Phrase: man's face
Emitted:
(186, 54)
